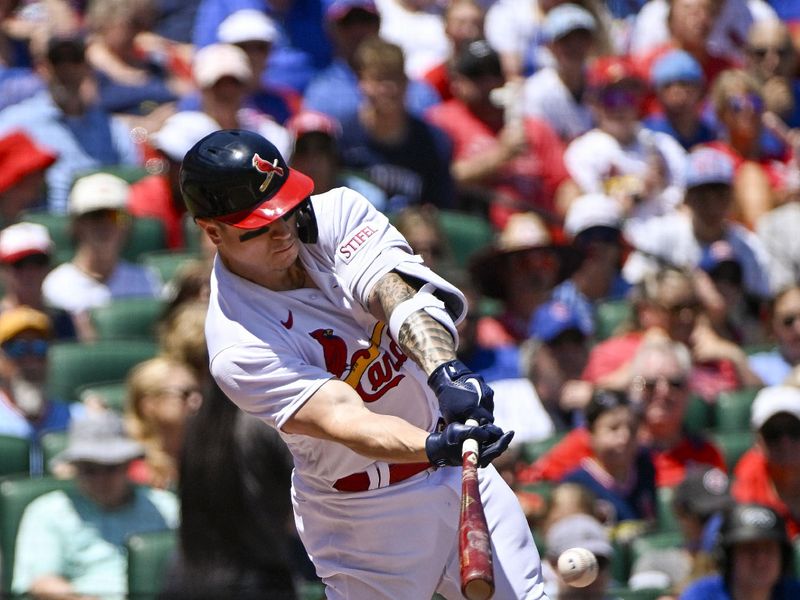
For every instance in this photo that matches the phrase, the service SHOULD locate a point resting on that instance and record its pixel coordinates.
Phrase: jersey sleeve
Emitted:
(268, 381)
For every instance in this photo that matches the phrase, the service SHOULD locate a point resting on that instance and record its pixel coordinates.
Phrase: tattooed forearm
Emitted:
(426, 341)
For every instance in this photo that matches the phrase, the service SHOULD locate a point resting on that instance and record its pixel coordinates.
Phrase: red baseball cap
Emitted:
(19, 157)
(606, 71)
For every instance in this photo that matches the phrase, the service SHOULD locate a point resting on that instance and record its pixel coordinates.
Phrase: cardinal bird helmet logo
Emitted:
(270, 169)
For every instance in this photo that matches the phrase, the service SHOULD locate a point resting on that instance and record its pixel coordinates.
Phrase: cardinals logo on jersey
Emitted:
(270, 169)
(380, 366)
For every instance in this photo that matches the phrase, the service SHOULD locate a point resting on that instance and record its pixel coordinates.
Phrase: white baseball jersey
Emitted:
(270, 351)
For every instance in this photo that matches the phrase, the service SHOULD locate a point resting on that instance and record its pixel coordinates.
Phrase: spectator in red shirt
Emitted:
(159, 195)
(511, 165)
(659, 386)
(769, 473)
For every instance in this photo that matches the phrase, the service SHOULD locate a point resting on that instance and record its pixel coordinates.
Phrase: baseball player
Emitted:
(323, 324)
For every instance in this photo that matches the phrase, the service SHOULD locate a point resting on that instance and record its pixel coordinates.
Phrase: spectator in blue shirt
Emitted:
(755, 559)
(66, 119)
(335, 90)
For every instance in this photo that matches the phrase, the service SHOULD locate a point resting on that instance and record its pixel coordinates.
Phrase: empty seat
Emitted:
(128, 318)
(733, 409)
(15, 455)
(148, 559)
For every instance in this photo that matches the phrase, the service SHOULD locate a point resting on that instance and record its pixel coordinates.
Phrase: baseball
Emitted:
(577, 567)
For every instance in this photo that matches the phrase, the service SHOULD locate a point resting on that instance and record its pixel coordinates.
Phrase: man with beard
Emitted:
(25, 410)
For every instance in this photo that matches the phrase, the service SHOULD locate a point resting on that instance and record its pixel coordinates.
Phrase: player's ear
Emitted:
(211, 228)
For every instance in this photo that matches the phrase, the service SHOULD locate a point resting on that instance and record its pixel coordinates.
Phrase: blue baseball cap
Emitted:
(566, 18)
(554, 318)
(674, 66)
(707, 165)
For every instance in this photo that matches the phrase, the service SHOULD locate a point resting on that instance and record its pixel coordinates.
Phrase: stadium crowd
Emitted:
(614, 184)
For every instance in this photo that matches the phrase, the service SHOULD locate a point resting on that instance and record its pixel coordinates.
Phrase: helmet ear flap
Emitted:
(307, 230)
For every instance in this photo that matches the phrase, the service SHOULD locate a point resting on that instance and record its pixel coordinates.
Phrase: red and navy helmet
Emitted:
(238, 177)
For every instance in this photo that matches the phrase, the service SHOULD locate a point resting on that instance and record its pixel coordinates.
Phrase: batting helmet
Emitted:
(239, 178)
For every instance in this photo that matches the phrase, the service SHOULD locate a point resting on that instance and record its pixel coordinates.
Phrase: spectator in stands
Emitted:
(556, 93)
(582, 531)
(774, 366)
(129, 82)
(769, 473)
(235, 537)
(679, 85)
(618, 471)
(67, 119)
(641, 168)
(255, 33)
(554, 358)
(25, 259)
(161, 395)
(23, 164)
(178, 335)
(755, 559)
(26, 409)
(463, 23)
(773, 60)
(776, 230)
(73, 543)
(316, 152)
(520, 269)
(419, 225)
(97, 274)
(699, 502)
(400, 153)
(666, 302)
(659, 389)
(683, 237)
(760, 183)
(222, 72)
(594, 226)
(158, 195)
(510, 167)
(334, 90)
(301, 48)
(690, 23)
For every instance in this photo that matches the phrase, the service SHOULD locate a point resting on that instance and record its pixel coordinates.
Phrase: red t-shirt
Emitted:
(752, 483)
(152, 197)
(439, 78)
(531, 178)
(670, 465)
(610, 355)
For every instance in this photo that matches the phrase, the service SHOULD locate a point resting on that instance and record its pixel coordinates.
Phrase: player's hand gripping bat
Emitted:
(475, 548)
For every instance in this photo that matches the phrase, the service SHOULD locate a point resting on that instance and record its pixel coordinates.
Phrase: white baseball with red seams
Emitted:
(577, 567)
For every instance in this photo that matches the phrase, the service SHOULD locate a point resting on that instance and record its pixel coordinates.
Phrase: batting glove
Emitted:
(462, 394)
(444, 448)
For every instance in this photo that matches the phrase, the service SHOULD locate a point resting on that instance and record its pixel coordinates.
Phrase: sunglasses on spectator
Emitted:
(789, 320)
(20, 348)
(677, 310)
(774, 432)
(184, 393)
(649, 385)
(32, 260)
(117, 217)
(85, 468)
(615, 98)
(747, 102)
(762, 51)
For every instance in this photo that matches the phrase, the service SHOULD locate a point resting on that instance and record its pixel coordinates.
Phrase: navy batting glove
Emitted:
(444, 448)
(462, 394)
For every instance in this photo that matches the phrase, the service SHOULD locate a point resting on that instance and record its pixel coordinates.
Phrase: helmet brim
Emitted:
(294, 190)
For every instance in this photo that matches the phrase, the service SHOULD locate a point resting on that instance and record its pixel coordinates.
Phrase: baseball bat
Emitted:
(474, 545)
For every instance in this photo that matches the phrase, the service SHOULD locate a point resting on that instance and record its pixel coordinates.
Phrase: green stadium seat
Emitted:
(15, 455)
(53, 443)
(15, 495)
(465, 233)
(530, 451)
(733, 409)
(315, 590)
(74, 364)
(624, 593)
(655, 541)
(111, 394)
(148, 559)
(699, 415)
(733, 444)
(168, 262)
(665, 516)
(609, 316)
(191, 234)
(128, 318)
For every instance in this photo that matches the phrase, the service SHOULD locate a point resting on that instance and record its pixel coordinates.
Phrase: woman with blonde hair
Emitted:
(162, 393)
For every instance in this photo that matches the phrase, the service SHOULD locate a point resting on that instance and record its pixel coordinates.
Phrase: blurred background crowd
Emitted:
(614, 184)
